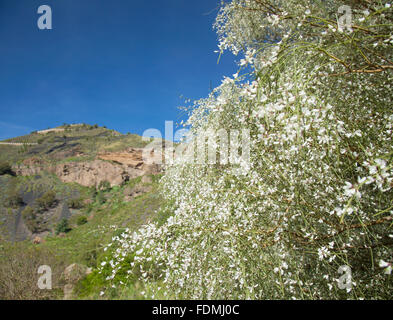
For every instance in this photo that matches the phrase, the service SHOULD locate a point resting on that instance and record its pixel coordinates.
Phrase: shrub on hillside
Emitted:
(28, 212)
(47, 200)
(81, 220)
(13, 199)
(31, 219)
(75, 203)
(62, 226)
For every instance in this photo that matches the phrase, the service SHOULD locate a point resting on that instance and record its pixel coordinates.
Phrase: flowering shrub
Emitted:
(316, 193)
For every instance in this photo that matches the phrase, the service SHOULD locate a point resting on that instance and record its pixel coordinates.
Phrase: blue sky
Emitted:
(124, 64)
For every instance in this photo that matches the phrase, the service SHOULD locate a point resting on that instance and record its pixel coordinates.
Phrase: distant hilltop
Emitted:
(67, 129)
(64, 128)
(81, 153)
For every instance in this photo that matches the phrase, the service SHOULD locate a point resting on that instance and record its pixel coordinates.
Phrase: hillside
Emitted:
(67, 143)
(68, 191)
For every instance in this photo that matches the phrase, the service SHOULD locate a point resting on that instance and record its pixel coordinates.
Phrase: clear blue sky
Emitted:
(124, 64)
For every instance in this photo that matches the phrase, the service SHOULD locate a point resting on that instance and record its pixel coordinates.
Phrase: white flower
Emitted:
(380, 163)
(351, 190)
(383, 264)
(386, 265)
(361, 180)
(323, 253)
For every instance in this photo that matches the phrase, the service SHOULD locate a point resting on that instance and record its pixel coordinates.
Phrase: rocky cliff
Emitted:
(113, 167)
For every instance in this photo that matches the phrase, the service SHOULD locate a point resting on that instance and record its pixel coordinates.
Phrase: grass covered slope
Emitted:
(36, 158)
(107, 215)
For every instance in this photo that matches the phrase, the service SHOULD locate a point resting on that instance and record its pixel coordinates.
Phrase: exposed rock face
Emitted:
(125, 165)
(93, 173)
(132, 157)
(29, 167)
(147, 160)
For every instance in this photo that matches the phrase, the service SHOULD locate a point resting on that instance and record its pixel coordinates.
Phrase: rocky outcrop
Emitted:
(29, 167)
(131, 157)
(114, 167)
(147, 160)
(93, 173)
(37, 240)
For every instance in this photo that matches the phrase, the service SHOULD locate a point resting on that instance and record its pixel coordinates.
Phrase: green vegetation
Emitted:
(81, 220)
(13, 200)
(31, 219)
(75, 203)
(85, 242)
(47, 200)
(62, 226)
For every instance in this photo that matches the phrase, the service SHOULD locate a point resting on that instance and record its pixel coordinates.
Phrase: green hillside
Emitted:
(56, 146)
(73, 222)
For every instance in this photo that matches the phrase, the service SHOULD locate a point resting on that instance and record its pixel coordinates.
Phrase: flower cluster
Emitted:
(317, 193)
